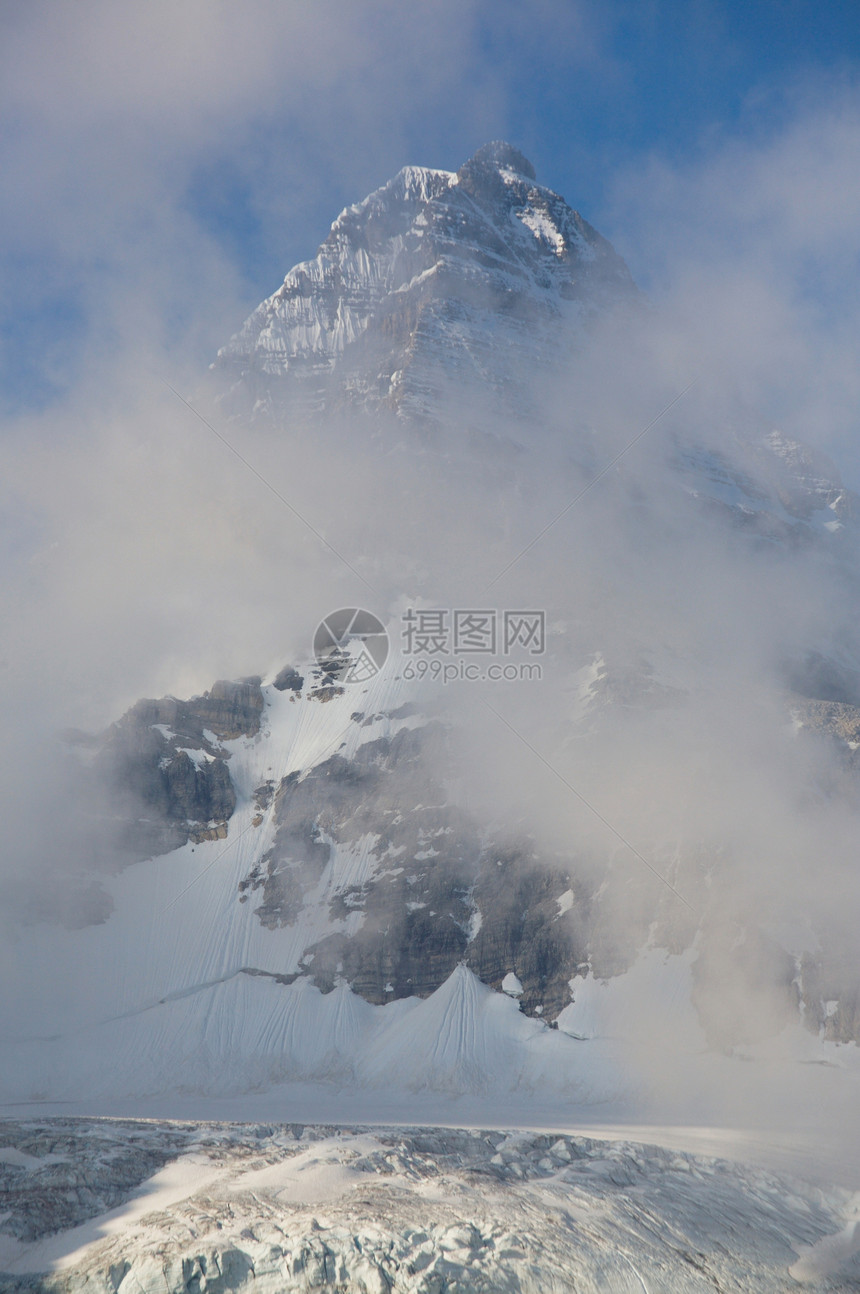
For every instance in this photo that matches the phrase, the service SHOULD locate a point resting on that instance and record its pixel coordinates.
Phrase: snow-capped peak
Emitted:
(435, 277)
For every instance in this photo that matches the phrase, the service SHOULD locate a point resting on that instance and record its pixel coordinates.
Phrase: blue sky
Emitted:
(623, 82)
(167, 164)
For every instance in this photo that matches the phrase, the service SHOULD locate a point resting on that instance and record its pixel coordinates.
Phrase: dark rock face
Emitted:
(439, 893)
(498, 155)
(198, 795)
(289, 679)
(229, 709)
(524, 930)
(163, 769)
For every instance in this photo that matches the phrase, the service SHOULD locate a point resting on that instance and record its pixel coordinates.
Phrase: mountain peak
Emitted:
(500, 155)
(436, 285)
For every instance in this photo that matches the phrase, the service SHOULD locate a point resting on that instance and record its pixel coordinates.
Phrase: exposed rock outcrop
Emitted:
(439, 894)
(162, 769)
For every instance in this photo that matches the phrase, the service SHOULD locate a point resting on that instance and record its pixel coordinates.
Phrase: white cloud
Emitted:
(143, 560)
(754, 250)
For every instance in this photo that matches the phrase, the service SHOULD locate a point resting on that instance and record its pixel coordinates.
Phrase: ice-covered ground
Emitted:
(262, 1207)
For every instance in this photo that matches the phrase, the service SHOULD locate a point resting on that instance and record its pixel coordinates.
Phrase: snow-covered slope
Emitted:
(201, 976)
(350, 924)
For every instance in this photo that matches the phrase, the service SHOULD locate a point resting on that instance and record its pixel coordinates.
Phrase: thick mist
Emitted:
(148, 553)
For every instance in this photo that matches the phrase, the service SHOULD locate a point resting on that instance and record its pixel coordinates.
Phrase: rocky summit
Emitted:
(471, 280)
